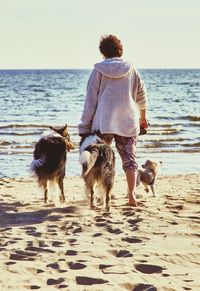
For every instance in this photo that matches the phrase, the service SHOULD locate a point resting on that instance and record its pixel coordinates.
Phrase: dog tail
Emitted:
(36, 164)
(48, 154)
(87, 161)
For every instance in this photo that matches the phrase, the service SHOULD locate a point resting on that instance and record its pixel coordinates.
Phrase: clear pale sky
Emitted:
(65, 33)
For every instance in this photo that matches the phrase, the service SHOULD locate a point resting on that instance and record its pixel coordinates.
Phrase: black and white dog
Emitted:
(98, 167)
(50, 159)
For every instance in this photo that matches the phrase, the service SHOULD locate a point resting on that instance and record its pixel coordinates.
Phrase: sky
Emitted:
(53, 34)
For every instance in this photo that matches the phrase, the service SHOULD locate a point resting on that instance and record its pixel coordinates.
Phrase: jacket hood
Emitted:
(114, 68)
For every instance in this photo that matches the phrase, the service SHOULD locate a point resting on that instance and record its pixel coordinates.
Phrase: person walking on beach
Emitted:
(116, 106)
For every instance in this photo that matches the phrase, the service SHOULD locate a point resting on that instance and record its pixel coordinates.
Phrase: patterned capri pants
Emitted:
(126, 147)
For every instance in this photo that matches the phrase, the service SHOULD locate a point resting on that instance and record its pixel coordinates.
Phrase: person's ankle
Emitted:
(132, 198)
(132, 201)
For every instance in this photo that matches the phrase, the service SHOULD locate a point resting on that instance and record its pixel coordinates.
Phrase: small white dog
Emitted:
(147, 175)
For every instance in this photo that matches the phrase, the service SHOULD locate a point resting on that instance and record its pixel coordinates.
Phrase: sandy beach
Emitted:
(70, 247)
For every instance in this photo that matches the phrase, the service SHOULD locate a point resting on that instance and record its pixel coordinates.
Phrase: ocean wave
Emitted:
(16, 125)
(177, 119)
(168, 144)
(196, 144)
(168, 139)
(189, 83)
(160, 125)
(21, 125)
(39, 90)
(155, 145)
(191, 118)
(174, 150)
(4, 143)
(165, 132)
(14, 152)
(29, 133)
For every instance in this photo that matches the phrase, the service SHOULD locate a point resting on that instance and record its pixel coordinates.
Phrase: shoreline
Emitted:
(72, 247)
(172, 166)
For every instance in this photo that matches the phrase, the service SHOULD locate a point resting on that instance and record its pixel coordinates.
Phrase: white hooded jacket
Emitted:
(115, 92)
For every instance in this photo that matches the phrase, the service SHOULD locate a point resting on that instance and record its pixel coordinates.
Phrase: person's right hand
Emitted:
(144, 123)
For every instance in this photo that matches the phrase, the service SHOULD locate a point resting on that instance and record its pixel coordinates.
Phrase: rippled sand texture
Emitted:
(70, 247)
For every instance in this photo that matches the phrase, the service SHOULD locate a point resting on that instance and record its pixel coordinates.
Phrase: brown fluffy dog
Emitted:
(50, 159)
(147, 175)
(98, 167)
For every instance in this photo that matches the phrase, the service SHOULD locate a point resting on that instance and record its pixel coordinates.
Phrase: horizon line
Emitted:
(143, 68)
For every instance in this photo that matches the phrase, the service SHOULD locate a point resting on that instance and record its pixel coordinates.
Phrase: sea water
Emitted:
(31, 100)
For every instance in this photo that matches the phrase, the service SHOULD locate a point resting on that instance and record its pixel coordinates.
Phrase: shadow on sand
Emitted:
(12, 214)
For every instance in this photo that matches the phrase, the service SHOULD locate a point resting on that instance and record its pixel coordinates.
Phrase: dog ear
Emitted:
(62, 130)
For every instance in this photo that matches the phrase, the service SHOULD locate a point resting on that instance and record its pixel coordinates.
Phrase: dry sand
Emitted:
(70, 247)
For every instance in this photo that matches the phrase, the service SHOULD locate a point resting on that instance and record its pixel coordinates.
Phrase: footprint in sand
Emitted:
(102, 266)
(100, 221)
(34, 233)
(55, 218)
(71, 253)
(134, 221)
(34, 287)
(97, 234)
(6, 229)
(51, 230)
(41, 243)
(120, 253)
(77, 230)
(114, 222)
(10, 263)
(53, 266)
(124, 254)
(55, 281)
(111, 229)
(76, 266)
(72, 228)
(132, 240)
(148, 269)
(89, 281)
(52, 226)
(20, 257)
(57, 243)
(128, 213)
(72, 242)
(143, 287)
(101, 224)
(39, 250)
(39, 271)
(62, 286)
(29, 228)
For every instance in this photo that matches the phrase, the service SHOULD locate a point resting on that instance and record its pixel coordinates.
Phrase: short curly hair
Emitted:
(110, 46)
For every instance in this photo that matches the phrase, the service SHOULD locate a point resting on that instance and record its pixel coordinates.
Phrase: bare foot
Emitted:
(133, 202)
